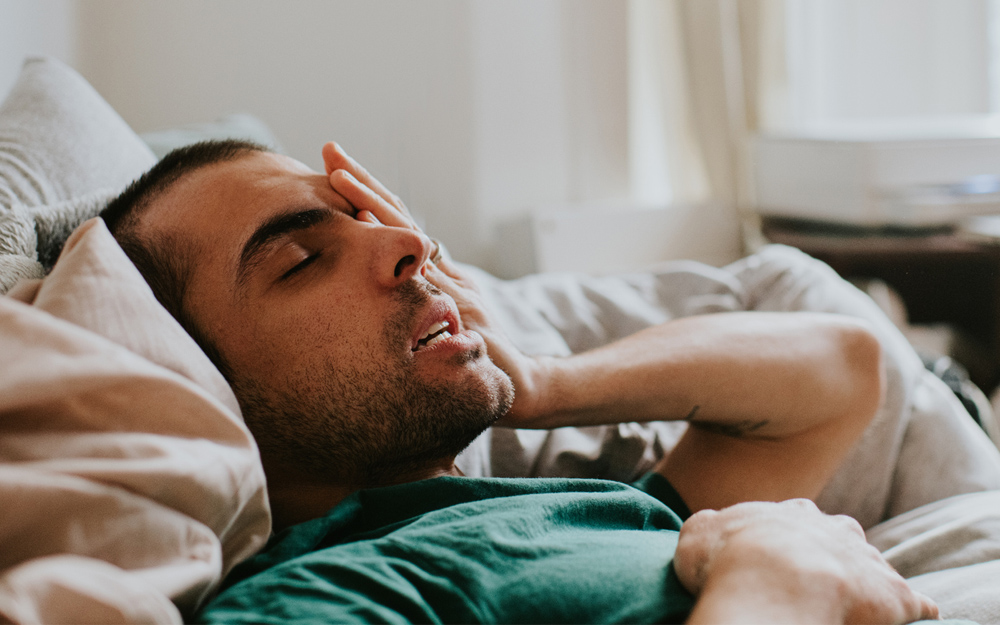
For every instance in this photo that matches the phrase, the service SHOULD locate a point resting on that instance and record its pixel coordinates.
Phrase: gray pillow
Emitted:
(63, 152)
(59, 139)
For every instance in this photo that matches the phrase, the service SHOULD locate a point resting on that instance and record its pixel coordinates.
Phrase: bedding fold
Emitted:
(135, 483)
(921, 447)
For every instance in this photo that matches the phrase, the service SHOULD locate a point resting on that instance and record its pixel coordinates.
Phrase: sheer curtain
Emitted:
(706, 74)
(721, 70)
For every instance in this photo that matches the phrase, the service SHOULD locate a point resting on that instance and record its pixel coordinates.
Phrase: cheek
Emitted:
(342, 334)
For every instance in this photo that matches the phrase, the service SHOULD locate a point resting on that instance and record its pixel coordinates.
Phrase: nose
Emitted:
(401, 252)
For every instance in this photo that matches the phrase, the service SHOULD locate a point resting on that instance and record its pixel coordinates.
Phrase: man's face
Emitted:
(323, 315)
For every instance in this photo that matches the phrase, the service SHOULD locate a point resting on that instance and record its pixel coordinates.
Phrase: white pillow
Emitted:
(59, 139)
(233, 126)
(63, 152)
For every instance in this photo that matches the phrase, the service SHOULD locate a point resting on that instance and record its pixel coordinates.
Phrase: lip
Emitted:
(440, 310)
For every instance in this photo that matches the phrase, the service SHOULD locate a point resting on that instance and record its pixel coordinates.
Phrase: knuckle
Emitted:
(805, 504)
(849, 523)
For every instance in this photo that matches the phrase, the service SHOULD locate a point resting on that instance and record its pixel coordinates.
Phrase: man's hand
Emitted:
(362, 190)
(788, 562)
(772, 375)
(523, 370)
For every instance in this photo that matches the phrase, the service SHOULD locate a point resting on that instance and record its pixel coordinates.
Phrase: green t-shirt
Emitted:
(467, 550)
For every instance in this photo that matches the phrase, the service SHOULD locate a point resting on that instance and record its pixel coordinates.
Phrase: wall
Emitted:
(38, 27)
(470, 111)
(389, 80)
(474, 111)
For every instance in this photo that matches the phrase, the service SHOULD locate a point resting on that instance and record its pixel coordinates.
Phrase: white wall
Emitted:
(38, 27)
(391, 80)
(551, 106)
(473, 111)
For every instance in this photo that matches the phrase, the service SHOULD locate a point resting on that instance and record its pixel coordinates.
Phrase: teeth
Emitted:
(439, 337)
(437, 327)
(435, 333)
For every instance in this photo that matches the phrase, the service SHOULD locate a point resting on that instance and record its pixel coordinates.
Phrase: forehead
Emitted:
(209, 214)
(225, 200)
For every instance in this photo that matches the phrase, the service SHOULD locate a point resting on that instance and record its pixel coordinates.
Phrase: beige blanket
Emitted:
(128, 481)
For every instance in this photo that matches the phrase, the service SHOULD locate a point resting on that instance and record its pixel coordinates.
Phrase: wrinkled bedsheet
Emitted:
(921, 448)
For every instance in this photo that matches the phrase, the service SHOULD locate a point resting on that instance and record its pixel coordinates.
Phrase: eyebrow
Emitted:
(270, 231)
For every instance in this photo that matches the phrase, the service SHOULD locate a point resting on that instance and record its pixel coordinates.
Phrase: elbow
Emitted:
(863, 359)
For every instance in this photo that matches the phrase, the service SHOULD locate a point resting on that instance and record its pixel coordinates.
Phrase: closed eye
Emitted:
(299, 267)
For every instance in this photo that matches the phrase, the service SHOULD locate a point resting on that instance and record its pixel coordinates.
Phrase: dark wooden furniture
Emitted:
(942, 275)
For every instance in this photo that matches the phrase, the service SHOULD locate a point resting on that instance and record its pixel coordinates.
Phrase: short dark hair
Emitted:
(165, 264)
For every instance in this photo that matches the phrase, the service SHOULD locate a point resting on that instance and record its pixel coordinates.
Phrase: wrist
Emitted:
(532, 381)
(768, 594)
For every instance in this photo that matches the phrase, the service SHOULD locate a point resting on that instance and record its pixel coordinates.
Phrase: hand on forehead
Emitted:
(364, 191)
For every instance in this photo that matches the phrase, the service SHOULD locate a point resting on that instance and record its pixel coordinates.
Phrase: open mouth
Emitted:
(437, 332)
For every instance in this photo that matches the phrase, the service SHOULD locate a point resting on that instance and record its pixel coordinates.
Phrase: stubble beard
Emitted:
(377, 427)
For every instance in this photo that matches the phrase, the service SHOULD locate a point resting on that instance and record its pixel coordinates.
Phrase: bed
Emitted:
(132, 486)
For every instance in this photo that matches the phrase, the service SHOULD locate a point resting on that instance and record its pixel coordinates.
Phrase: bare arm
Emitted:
(789, 563)
(776, 400)
(767, 375)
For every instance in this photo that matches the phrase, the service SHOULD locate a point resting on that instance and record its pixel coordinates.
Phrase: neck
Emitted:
(297, 496)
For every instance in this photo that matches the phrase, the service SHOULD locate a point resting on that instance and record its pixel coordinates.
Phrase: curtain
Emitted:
(706, 75)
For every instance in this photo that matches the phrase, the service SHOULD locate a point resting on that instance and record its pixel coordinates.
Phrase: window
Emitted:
(912, 60)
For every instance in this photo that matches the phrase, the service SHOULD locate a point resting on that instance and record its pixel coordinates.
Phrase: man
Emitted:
(364, 364)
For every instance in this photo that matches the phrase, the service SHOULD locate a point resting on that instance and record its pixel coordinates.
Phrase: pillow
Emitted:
(32, 238)
(121, 448)
(59, 139)
(63, 152)
(235, 126)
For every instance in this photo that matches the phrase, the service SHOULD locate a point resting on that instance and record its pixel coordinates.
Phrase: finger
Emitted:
(363, 198)
(334, 158)
(368, 216)
(699, 535)
(449, 284)
(928, 609)
(849, 523)
(452, 269)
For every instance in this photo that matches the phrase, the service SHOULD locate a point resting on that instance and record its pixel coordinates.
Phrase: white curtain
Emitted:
(706, 74)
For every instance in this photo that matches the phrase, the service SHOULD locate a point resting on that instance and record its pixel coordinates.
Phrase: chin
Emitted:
(501, 390)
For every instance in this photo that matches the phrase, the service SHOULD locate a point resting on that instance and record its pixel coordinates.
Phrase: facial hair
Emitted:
(370, 428)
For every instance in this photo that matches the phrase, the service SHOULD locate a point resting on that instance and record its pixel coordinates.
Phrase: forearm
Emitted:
(772, 373)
